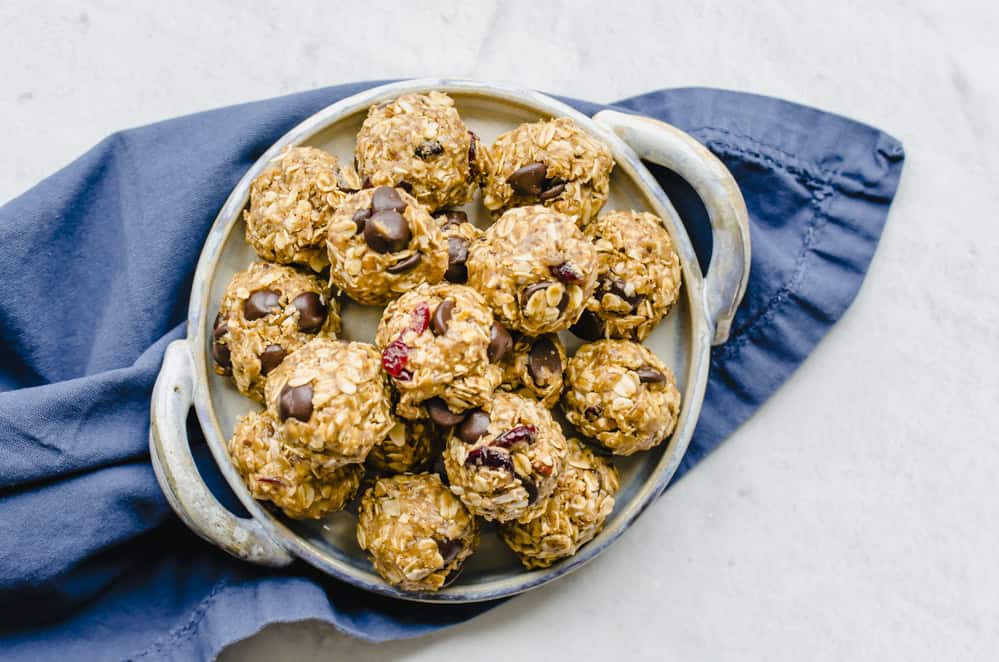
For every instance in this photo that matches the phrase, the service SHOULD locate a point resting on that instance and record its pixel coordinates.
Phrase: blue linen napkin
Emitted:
(96, 265)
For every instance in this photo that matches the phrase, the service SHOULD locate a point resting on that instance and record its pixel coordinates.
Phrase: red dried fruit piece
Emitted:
(421, 318)
(272, 481)
(394, 358)
(490, 457)
(543, 469)
(516, 435)
(566, 272)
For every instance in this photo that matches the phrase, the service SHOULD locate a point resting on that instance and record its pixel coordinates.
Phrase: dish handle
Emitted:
(178, 476)
(665, 145)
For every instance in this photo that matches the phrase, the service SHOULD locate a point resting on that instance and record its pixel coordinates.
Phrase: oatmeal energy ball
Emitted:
(573, 515)
(419, 143)
(417, 533)
(535, 269)
(534, 368)
(553, 163)
(294, 479)
(407, 447)
(503, 460)
(332, 398)
(291, 203)
(267, 312)
(435, 346)
(459, 234)
(622, 395)
(382, 242)
(638, 277)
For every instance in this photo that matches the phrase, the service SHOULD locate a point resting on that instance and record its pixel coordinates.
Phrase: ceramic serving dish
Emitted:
(683, 340)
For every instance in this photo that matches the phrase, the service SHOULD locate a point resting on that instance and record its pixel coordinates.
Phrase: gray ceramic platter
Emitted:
(683, 340)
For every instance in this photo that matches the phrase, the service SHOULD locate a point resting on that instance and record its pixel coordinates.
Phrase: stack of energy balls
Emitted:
(448, 417)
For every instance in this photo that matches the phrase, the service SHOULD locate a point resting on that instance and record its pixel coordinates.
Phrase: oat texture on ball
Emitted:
(535, 269)
(553, 163)
(534, 368)
(301, 483)
(638, 276)
(418, 142)
(504, 459)
(416, 532)
(573, 515)
(622, 395)
(267, 312)
(382, 243)
(292, 202)
(333, 398)
(408, 447)
(435, 348)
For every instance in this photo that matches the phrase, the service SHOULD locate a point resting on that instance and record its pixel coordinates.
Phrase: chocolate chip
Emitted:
(589, 326)
(532, 489)
(261, 304)
(271, 358)
(360, 217)
(387, 231)
(441, 414)
(490, 457)
(385, 198)
(500, 343)
(457, 255)
(311, 312)
(220, 328)
(452, 217)
(473, 427)
(405, 264)
(429, 149)
(473, 167)
(449, 549)
(563, 303)
(442, 317)
(405, 186)
(618, 288)
(552, 192)
(220, 350)
(367, 183)
(593, 411)
(544, 361)
(295, 402)
(528, 180)
(648, 375)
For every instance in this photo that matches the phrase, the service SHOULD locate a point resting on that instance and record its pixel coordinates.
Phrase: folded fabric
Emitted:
(96, 264)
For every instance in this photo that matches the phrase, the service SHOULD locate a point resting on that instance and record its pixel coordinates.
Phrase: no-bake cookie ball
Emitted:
(504, 459)
(535, 269)
(333, 398)
(534, 368)
(459, 234)
(573, 515)
(553, 163)
(417, 533)
(267, 312)
(620, 394)
(382, 242)
(292, 202)
(435, 346)
(407, 448)
(638, 277)
(419, 143)
(298, 482)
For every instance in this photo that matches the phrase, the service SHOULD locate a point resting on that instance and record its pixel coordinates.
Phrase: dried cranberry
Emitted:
(490, 457)
(394, 358)
(566, 272)
(421, 318)
(521, 433)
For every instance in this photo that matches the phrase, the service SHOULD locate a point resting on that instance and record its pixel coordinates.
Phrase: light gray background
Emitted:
(854, 517)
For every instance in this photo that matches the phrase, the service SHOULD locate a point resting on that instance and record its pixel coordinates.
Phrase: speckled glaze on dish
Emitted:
(683, 340)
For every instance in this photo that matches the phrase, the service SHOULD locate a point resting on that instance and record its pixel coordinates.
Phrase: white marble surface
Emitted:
(856, 516)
